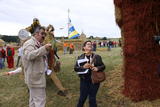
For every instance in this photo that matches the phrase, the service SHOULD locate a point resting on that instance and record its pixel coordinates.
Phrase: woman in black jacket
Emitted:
(83, 67)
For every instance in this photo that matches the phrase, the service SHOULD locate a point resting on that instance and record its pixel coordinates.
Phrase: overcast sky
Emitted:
(93, 17)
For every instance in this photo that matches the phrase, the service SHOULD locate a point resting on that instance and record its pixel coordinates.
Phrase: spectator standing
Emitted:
(87, 88)
(35, 66)
(10, 56)
(2, 57)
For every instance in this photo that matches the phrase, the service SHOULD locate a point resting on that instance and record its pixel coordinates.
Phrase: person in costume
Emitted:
(52, 59)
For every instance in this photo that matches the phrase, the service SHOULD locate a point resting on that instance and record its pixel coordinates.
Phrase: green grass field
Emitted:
(13, 91)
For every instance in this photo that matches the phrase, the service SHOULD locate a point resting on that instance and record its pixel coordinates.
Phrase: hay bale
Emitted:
(141, 53)
(118, 16)
(118, 3)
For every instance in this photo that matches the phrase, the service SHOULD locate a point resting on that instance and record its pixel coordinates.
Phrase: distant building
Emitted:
(97, 38)
(82, 36)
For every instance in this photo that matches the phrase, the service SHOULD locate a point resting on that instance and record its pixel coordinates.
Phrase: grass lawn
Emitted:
(13, 91)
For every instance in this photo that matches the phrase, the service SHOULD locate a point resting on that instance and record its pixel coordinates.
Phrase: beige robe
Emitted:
(33, 60)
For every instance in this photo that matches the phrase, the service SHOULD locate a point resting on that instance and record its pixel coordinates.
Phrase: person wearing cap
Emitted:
(35, 66)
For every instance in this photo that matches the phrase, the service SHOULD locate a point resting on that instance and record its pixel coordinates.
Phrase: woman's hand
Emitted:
(87, 65)
(94, 69)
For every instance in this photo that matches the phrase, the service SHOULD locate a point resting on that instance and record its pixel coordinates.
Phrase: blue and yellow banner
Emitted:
(72, 32)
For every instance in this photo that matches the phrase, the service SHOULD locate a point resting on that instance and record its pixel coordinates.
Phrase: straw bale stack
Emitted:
(139, 22)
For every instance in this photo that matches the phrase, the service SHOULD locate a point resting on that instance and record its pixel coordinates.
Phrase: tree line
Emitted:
(10, 38)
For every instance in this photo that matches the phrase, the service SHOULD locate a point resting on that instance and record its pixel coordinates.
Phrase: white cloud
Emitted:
(9, 28)
(93, 17)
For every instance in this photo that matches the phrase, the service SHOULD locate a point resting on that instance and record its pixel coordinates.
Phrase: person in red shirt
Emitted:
(10, 56)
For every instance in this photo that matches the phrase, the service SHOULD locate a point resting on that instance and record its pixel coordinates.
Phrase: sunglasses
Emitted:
(43, 34)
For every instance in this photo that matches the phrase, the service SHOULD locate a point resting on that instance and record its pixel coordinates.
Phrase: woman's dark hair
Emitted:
(84, 44)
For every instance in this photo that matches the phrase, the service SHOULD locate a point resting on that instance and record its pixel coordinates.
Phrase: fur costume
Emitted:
(52, 53)
(33, 26)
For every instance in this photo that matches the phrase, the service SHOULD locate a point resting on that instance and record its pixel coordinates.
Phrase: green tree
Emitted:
(104, 38)
(10, 38)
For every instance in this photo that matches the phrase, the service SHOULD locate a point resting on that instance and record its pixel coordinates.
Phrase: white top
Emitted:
(82, 61)
(20, 51)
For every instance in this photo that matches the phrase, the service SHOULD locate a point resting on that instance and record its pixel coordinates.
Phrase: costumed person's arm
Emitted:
(55, 53)
(54, 47)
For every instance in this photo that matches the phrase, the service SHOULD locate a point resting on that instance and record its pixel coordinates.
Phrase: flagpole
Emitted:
(68, 21)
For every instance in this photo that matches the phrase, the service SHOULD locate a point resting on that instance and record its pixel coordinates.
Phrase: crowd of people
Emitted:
(40, 55)
(39, 58)
(109, 44)
(7, 54)
(68, 47)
